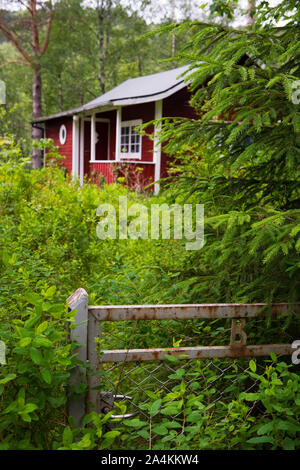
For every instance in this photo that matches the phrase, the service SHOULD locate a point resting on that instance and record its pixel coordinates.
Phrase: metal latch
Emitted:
(107, 403)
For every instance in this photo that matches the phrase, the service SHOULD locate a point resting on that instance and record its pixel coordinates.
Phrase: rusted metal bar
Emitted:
(179, 312)
(201, 352)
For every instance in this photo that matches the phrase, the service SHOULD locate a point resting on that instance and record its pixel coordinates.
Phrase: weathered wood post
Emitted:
(94, 395)
(79, 302)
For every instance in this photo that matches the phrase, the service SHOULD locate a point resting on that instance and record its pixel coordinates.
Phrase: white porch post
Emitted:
(118, 132)
(93, 137)
(81, 172)
(75, 147)
(157, 146)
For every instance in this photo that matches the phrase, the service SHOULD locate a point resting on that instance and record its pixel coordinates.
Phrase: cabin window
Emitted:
(131, 141)
(62, 134)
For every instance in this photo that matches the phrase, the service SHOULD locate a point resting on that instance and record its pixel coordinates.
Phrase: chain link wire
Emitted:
(211, 380)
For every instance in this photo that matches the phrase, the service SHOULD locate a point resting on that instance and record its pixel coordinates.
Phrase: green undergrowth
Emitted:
(49, 248)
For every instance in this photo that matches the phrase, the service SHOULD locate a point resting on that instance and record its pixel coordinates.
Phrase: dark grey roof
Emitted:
(133, 91)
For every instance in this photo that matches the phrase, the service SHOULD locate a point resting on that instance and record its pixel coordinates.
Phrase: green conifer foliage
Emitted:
(241, 158)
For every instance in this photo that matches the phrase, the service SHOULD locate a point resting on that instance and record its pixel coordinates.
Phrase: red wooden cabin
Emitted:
(100, 137)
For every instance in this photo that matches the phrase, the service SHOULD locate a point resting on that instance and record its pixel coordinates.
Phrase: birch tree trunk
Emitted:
(104, 12)
(101, 50)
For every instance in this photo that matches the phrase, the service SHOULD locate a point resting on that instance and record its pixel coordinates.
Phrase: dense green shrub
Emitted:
(34, 381)
(49, 248)
(248, 178)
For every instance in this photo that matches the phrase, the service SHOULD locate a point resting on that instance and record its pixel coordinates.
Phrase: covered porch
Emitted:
(99, 143)
(94, 144)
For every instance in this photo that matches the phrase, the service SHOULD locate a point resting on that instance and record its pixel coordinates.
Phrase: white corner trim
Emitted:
(75, 147)
(157, 146)
(118, 132)
(81, 158)
(93, 137)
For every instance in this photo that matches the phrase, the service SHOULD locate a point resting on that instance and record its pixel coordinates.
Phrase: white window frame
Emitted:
(62, 134)
(130, 155)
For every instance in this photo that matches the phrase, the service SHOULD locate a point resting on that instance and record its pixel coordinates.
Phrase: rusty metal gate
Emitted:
(127, 376)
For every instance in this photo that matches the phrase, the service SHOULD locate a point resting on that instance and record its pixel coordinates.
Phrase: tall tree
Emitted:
(244, 83)
(25, 32)
(104, 13)
(104, 10)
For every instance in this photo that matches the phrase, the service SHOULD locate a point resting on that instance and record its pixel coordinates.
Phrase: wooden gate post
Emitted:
(79, 302)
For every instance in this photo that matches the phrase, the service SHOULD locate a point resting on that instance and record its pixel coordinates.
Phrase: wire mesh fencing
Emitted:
(210, 379)
(132, 390)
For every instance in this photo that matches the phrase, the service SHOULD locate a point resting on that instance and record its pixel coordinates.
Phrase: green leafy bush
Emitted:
(33, 383)
(48, 238)
(265, 418)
